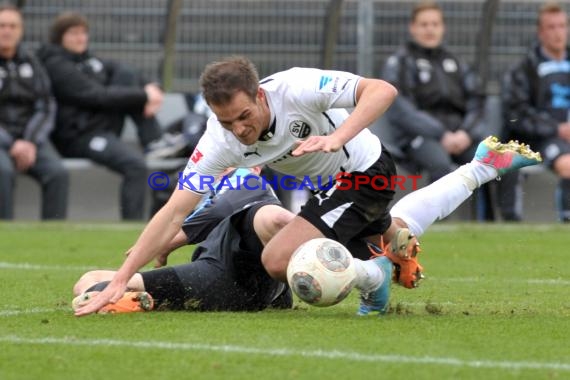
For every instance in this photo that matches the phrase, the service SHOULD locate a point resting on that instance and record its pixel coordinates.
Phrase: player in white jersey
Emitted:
(294, 122)
(301, 103)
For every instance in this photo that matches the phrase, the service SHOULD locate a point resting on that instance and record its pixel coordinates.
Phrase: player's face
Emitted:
(553, 32)
(428, 28)
(10, 30)
(244, 117)
(75, 39)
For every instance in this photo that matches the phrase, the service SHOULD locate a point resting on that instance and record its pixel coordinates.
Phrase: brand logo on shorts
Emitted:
(299, 129)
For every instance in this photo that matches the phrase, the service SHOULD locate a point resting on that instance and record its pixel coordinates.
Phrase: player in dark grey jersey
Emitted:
(226, 271)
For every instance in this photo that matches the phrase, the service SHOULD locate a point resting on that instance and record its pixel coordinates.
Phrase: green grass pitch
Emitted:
(495, 305)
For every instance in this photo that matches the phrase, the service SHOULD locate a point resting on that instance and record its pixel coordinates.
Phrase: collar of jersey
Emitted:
(268, 134)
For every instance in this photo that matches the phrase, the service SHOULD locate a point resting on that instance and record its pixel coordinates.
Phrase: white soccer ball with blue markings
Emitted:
(321, 272)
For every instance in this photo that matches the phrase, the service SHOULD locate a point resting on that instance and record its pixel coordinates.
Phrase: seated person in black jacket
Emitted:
(437, 119)
(536, 105)
(94, 96)
(27, 113)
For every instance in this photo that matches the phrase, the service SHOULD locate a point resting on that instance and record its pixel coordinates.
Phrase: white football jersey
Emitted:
(303, 102)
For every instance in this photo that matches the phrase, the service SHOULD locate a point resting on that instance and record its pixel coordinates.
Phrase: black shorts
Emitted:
(226, 273)
(223, 203)
(354, 212)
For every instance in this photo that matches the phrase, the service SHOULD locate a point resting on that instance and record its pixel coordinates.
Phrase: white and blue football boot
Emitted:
(378, 300)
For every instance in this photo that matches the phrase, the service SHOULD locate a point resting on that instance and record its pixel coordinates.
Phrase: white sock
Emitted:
(477, 174)
(421, 208)
(368, 275)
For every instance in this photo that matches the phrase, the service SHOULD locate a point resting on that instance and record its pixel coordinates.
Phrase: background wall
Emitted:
(276, 34)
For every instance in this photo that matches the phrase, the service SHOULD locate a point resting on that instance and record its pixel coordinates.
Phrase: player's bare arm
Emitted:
(373, 97)
(159, 232)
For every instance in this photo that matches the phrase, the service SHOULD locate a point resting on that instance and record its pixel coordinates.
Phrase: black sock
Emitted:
(359, 249)
(98, 287)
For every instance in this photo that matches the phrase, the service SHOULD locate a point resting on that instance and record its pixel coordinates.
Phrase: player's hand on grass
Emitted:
(312, 144)
(111, 294)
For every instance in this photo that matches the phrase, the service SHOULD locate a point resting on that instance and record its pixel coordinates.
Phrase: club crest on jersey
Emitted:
(299, 129)
(96, 65)
(449, 65)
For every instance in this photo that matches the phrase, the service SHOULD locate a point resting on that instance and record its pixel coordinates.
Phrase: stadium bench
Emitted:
(173, 109)
(94, 190)
(154, 164)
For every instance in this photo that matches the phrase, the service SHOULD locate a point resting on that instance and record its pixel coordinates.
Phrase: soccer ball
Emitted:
(321, 272)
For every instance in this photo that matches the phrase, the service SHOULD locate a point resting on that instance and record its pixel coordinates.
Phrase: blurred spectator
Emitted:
(536, 103)
(27, 113)
(94, 96)
(437, 119)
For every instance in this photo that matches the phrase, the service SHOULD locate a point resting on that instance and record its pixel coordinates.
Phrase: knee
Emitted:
(58, 174)
(274, 262)
(135, 167)
(269, 220)
(80, 285)
(86, 281)
(562, 166)
(276, 223)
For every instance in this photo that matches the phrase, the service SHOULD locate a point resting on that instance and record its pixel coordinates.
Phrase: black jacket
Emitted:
(536, 96)
(437, 93)
(27, 107)
(87, 100)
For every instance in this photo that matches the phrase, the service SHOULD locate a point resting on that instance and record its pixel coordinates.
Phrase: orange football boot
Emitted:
(131, 302)
(402, 251)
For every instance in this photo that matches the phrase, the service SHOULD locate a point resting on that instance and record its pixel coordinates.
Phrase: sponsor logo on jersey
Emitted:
(424, 70)
(324, 81)
(26, 70)
(196, 156)
(560, 95)
(553, 67)
(392, 61)
(449, 65)
(299, 129)
(423, 64)
(96, 65)
(424, 76)
(328, 84)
